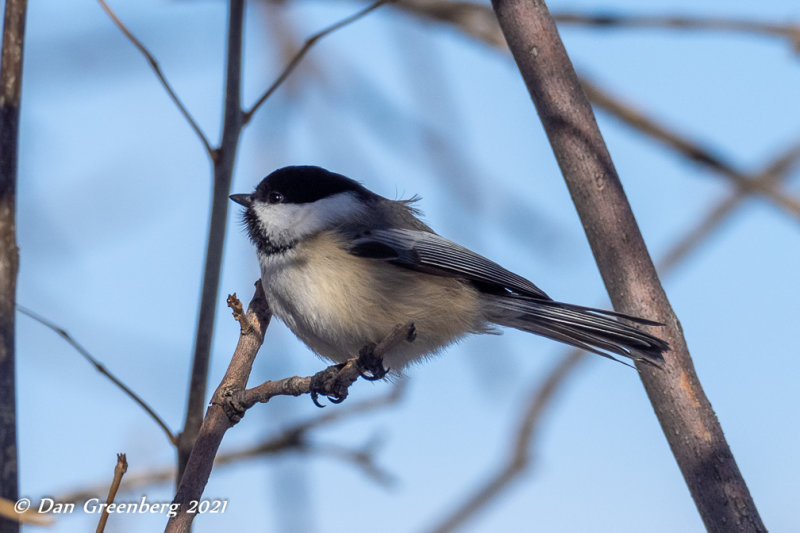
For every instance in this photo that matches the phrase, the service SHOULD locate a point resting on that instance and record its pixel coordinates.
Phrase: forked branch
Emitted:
(232, 399)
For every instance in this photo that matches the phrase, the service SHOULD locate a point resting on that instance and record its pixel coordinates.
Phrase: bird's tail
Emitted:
(594, 330)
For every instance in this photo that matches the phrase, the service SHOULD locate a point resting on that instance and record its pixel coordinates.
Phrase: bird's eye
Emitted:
(275, 197)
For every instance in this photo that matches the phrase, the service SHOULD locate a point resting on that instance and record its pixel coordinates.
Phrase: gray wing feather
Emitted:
(430, 253)
(512, 300)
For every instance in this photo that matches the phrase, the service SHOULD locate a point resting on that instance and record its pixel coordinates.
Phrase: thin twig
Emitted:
(119, 471)
(100, 368)
(157, 69)
(790, 31)
(772, 174)
(310, 42)
(480, 22)
(690, 149)
(362, 458)
(519, 456)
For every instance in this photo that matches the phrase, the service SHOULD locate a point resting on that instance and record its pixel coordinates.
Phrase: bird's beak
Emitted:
(242, 199)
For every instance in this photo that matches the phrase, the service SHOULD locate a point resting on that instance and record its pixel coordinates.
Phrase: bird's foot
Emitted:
(328, 384)
(370, 366)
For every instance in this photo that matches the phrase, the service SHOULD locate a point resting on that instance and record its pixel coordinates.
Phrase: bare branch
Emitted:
(473, 19)
(688, 148)
(790, 32)
(519, 456)
(310, 42)
(160, 75)
(216, 422)
(224, 159)
(238, 313)
(61, 332)
(363, 459)
(337, 377)
(682, 408)
(287, 440)
(480, 22)
(10, 94)
(772, 174)
(231, 399)
(519, 460)
(9, 511)
(119, 471)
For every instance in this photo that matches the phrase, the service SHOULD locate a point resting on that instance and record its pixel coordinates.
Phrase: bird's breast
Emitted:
(337, 303)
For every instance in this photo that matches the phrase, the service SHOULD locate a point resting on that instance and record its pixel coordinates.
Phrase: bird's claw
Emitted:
(325, 383)
(370, 367)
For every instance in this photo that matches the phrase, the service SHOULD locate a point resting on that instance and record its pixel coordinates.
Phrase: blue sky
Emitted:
(112, 213)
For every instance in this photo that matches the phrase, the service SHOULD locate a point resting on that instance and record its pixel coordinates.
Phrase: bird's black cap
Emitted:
(305, 184)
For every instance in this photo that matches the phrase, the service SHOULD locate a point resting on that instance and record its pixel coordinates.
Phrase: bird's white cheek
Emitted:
(285, 223)
(281, 222)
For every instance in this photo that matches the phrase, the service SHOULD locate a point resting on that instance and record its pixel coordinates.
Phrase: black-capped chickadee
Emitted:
(341, 266)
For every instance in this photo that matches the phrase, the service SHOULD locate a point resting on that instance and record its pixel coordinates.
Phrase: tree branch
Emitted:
(216, 422)
(224, 160)
(519, 460)
(519, 456)
(119, 471)
(10, 93)
(791, 32)
(337, 377)
(310, 42)
(159, 74)
(289, 439)
(480, 22)
(688, 148)
(685, 414)
(100, 368)
(230, 400)
(771, 175)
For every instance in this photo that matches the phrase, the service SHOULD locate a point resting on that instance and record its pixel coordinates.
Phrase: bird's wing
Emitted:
(428, 252)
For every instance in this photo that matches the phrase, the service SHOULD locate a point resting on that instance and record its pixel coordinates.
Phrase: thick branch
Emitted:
(216, 422)
(685, 414)
(518, 461)
(224, 160)
(10, 92)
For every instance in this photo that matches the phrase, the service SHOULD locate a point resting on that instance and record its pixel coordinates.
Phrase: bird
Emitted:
(342, 266)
